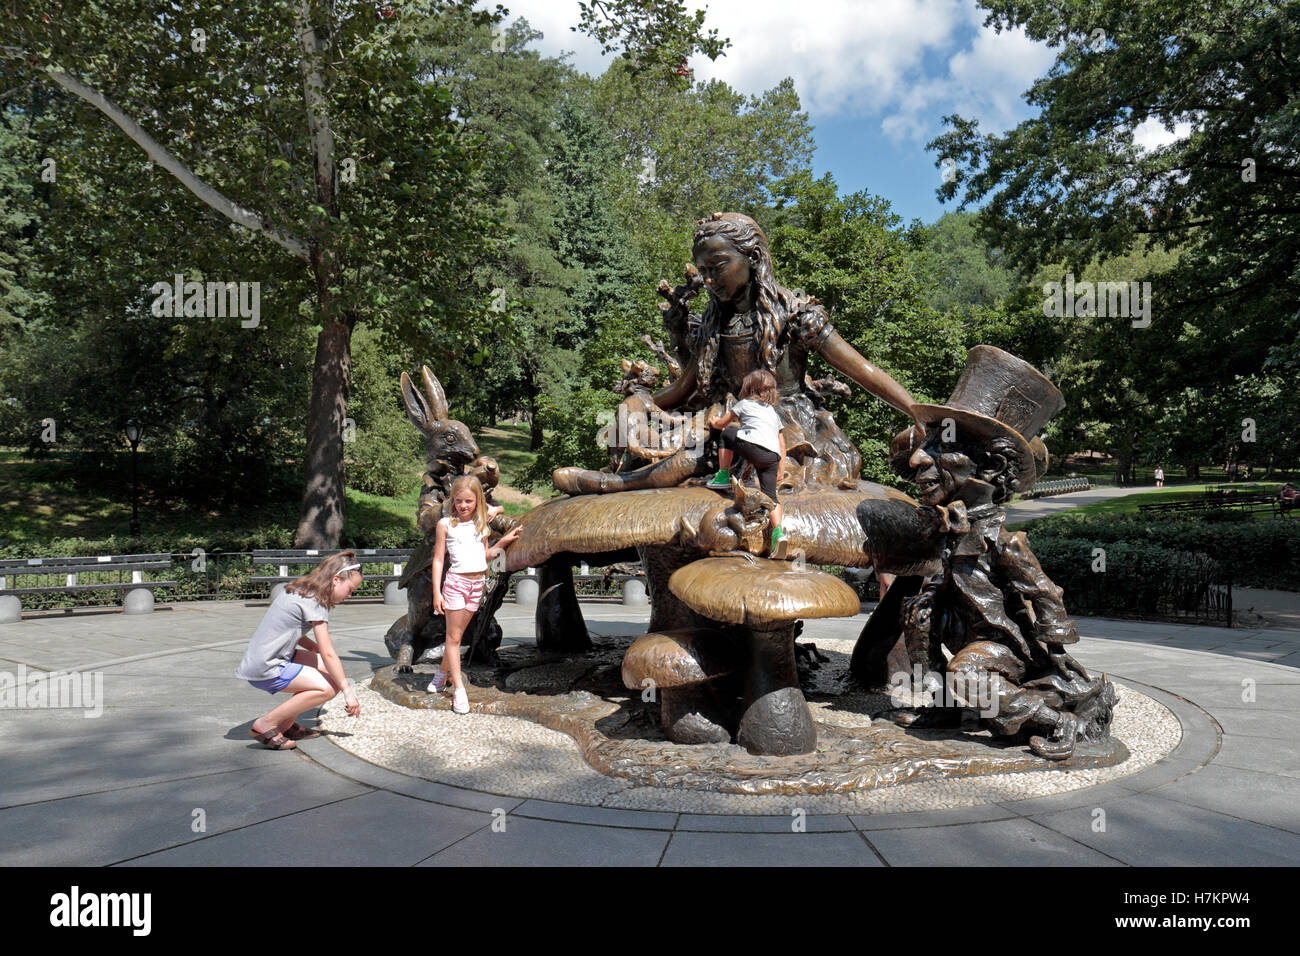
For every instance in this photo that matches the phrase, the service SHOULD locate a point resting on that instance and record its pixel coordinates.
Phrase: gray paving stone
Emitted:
(1247, 753)
(602, 816)
(1146, 830)
(526, 842)
(999, 843)
(931, 818)
(1258, 720)
(80, 762)
(769, 849)
(1088, 797)
(374, 829)
(770, 823)
(339, 761)
(1259, 797)
(104, 828)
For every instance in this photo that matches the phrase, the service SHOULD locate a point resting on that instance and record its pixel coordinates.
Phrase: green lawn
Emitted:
(1129, 503)
(40, 500)
(508, 444)
(1145, 474)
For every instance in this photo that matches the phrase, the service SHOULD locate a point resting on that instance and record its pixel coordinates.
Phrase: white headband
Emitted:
(350, 567)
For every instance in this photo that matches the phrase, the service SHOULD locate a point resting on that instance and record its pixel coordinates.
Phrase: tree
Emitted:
(654, 35)
(314, 132)
(1074, 185)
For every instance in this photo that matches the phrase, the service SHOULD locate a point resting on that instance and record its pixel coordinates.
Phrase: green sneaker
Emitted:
(721, 480)
(780, 544)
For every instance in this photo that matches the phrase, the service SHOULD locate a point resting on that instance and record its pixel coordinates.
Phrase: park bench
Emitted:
(632, 594)
(1217, 502)
(81, 574)
(283, 560)
(1059, 486)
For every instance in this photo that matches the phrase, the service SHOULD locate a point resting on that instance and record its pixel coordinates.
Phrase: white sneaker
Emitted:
(438, 683)
(460, 703)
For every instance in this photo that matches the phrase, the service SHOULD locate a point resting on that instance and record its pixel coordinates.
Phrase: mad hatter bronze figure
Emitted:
(971, 586)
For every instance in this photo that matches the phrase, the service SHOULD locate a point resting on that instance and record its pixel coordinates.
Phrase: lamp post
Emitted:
(133, 431)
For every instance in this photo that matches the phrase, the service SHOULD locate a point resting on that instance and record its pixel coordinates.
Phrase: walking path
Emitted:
(1018, 512)
(168, 776)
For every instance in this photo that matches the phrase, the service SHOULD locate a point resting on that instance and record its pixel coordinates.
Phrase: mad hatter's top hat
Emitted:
(999, 396)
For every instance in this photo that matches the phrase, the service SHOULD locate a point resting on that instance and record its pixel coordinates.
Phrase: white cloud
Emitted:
(905, 62)
(1151, 133)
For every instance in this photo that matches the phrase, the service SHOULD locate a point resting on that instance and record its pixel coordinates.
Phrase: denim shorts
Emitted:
(273, 685)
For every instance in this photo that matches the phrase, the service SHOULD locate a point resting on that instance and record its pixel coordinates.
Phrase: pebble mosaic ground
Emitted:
(513, 756)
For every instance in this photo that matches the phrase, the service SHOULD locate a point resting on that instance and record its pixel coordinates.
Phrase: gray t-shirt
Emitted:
(289, 617)
(759, 424)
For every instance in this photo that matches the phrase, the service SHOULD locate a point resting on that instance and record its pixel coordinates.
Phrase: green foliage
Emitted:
(1261, 554)
(1074, 186)
(385, 458)
(573, 438)
(654, 34)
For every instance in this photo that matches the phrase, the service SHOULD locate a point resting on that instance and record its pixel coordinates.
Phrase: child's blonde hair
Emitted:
(760, 384)
(319, 583)
(470, 483)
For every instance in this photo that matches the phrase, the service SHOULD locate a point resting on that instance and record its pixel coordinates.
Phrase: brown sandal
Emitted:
(299, 732)
(273, 740)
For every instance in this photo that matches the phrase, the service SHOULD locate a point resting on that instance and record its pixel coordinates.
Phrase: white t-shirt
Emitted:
(465, 551)
(759, 424)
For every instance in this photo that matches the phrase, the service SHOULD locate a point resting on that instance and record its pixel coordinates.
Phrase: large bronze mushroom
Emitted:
(765, 600)
(669, 529)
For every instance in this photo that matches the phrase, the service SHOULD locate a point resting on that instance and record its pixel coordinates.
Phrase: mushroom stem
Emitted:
(698, 714)
(667, 611)
(776, 719)
(560, 625)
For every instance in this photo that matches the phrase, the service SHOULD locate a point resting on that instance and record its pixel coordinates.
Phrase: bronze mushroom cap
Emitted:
(758, 593)
(821, 522)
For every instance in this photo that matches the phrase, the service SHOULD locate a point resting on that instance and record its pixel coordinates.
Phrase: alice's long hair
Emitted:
(773, 303)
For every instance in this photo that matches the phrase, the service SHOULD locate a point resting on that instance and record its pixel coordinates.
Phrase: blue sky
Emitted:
(875, 76)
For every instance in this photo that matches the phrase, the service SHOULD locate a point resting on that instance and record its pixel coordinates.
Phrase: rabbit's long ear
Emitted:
(417, 409)
(437, 397)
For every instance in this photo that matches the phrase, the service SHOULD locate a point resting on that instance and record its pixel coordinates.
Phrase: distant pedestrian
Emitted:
(281, 657)
(1160, 477)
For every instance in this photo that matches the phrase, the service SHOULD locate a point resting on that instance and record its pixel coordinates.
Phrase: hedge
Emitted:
(1258, 554)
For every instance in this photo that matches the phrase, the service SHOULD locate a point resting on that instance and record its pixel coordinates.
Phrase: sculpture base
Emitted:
(620, 735)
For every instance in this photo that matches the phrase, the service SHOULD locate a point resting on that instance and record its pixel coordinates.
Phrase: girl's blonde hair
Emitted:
(319, 584)
(470, 483)
(760, 384)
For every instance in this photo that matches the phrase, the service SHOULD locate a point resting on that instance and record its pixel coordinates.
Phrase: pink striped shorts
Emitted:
(461, 592)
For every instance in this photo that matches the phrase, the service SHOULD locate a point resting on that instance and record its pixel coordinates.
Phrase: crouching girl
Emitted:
(281, 657)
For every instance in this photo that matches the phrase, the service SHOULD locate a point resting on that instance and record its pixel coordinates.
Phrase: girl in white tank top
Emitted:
(461, 546)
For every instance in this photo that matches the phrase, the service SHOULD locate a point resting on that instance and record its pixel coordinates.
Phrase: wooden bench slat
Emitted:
(119, 586)
(55, 563)
(84, 569)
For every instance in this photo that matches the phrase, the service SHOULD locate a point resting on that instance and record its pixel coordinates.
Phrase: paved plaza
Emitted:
(166, 775)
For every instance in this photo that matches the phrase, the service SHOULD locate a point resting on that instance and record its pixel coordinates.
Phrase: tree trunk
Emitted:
(534, 423)
(321, 521)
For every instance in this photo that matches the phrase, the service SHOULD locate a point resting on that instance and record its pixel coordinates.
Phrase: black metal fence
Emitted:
(1192, 588)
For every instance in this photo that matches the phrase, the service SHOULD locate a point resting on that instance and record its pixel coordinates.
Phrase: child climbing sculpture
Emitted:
(751, 322)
